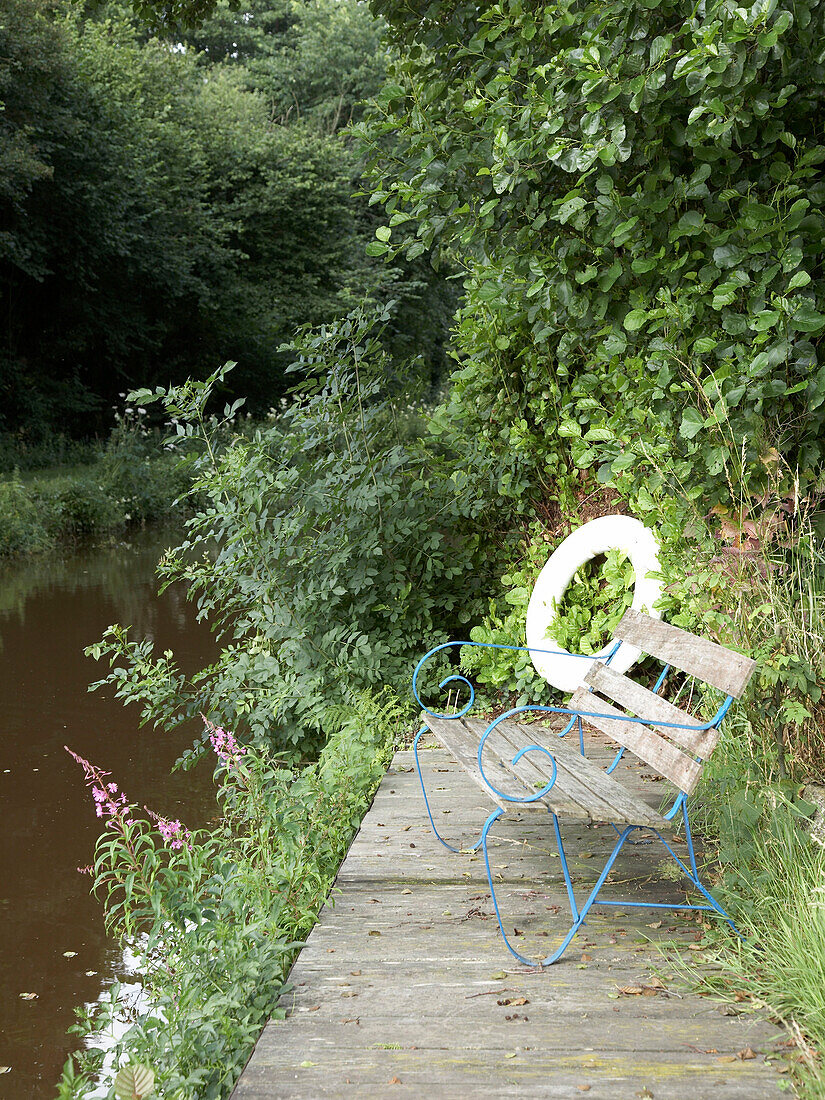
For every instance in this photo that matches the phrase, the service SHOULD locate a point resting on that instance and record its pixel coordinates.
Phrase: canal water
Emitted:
(52, 939)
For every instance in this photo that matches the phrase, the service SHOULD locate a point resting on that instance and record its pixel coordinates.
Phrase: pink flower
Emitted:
(227, 749)
(173, 832)
(107, 803)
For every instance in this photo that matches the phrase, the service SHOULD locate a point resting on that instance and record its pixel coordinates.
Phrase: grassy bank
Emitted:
(129, 481)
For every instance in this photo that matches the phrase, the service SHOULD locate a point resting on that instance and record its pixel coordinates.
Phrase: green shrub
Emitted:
(636, 195)
(327, 552)
(22, 527)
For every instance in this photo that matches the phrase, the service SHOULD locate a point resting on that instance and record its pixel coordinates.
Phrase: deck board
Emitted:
(397, 991)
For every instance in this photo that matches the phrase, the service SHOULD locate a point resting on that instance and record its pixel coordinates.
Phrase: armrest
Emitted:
(526, 799)
(464, 680)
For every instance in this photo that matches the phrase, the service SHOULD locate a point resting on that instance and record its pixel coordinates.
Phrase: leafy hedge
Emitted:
(635, 189)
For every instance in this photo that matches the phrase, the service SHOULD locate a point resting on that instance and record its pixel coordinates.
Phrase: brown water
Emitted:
(49, 611)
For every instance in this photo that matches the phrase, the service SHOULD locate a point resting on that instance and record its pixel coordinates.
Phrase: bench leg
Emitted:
(690, 871)
(438, 836)
(579, 914)
(578, 917)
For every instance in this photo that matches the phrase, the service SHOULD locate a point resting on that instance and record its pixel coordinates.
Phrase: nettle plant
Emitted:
(635, 190)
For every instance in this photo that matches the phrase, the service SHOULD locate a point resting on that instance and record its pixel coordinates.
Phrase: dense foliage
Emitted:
(632, 192)
(635, 191)
(325, 548)
(215, 915)
(165, 209)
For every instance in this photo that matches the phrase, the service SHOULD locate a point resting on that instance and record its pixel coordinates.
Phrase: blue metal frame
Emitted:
(579, 912)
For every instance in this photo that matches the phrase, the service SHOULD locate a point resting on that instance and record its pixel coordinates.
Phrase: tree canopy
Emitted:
(169, 203)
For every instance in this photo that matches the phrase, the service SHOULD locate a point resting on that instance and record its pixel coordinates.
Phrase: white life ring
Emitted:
(562, 669)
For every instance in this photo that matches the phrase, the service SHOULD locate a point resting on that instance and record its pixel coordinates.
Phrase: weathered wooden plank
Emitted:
(501, 1074)
(582, 790)
(646, 704)
(415, 1011)
(601, 789)
(535, 770)
(715, 664)
(644, 742)
(462, 740)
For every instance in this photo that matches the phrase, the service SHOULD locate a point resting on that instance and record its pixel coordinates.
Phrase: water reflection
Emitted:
(49, 610)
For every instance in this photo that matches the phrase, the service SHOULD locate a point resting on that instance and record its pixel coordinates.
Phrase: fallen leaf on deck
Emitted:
(655, 924)
(307, 1064)
(374, 932)
(586, 959)
(28, 996)
(583, 1088)
(69, 954)
(747, 1054)
(726, 1058)
(512, 1054)
(631, 990)
(513, 1001)
(394, 1081)
(406, 891)
(5, 1069)
(499, 976)
(355, 973)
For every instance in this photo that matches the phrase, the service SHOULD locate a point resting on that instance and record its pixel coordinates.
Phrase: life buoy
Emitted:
(562, 669)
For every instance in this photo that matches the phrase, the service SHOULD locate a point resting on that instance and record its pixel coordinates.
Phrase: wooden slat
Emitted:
(716, 665)
(644, 742)
(455, 735)
(586, 782)
(582, 790)
(646, 704)
(569, 795)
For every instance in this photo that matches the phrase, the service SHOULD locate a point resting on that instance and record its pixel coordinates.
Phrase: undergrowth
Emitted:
(215, 917)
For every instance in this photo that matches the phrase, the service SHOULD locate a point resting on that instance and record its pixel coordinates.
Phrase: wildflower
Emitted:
(173, 832)
(227, 749)
(108, 803)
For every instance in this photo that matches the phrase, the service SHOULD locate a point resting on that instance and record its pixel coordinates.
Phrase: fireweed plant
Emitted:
(215, 915)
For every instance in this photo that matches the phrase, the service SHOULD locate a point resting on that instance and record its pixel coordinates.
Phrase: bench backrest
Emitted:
(664, 744)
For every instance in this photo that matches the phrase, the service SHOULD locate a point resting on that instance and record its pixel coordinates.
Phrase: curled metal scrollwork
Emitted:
(526, 799)
(463, 679)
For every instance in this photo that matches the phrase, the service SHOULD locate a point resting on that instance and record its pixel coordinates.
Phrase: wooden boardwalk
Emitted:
(405, 988)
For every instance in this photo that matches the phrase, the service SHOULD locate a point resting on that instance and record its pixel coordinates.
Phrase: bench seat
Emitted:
(582, 791)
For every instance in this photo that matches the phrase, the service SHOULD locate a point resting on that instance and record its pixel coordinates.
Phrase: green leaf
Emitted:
(383, 232)
(692, 423)
(801, 278)
(634, 319)
(134, 1082)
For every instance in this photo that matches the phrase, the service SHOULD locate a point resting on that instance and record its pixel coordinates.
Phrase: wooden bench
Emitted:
(520, 765)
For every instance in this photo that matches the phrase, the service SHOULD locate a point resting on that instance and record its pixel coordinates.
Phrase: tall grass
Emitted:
(772, 871)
